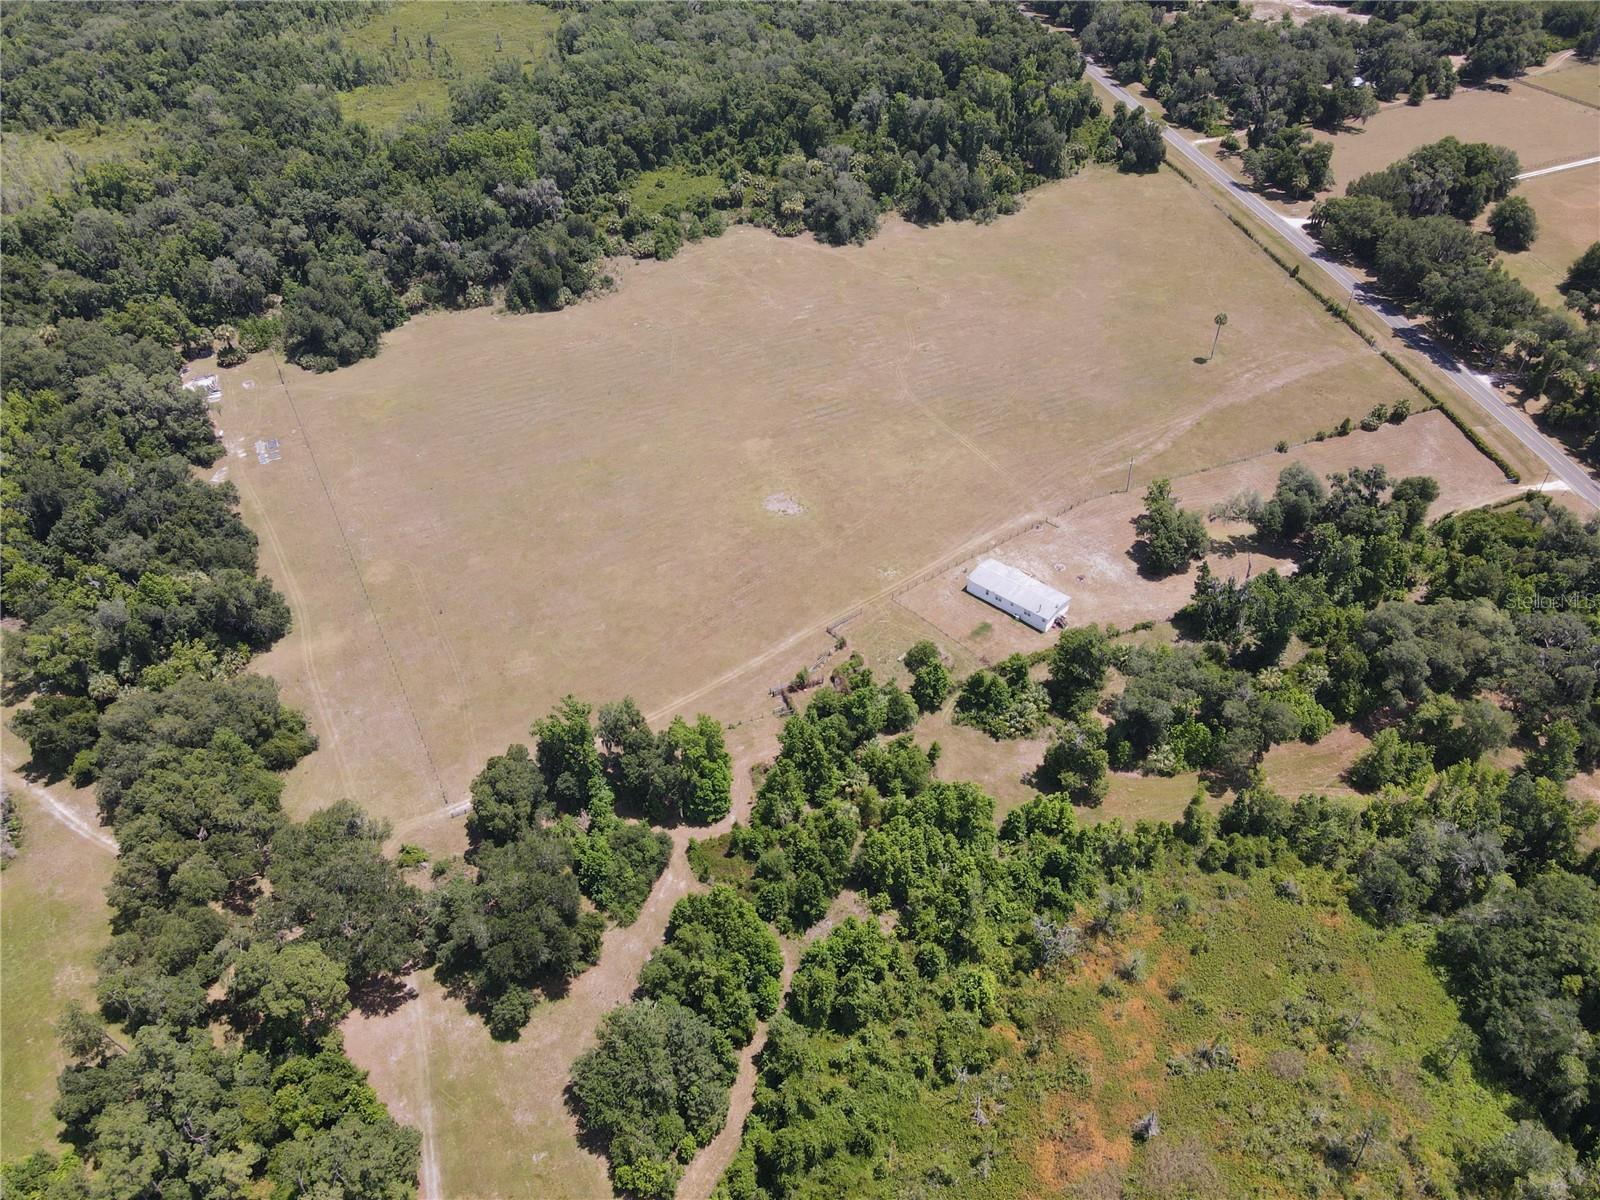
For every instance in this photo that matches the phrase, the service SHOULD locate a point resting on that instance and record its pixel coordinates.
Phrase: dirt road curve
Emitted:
(1472, 385)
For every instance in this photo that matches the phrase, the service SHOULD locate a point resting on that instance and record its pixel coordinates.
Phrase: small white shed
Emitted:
(1018, 594)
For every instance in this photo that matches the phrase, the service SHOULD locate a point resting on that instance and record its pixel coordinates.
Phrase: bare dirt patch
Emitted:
(783, 504)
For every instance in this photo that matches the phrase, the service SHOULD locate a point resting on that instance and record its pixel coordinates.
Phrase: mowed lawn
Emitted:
(583, 501)
(1567, 204)
(53, 922)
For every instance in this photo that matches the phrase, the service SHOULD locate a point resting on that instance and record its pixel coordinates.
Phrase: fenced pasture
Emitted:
(499, 510)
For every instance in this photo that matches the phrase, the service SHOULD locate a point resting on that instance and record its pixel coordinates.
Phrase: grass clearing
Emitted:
(666, 187)
(1567, 204)
(1276, 981)
(576, 501)
(34, 164)
(1578, 81)
(430, 44)
(53, 922)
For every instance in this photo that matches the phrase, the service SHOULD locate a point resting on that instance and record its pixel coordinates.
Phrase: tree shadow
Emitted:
(592, 1140)
(43, 774)
(1201, 359)
(381, 995)
(1139, 555)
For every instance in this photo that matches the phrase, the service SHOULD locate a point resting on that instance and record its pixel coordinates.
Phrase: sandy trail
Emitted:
(700, 1176)
(84, 826)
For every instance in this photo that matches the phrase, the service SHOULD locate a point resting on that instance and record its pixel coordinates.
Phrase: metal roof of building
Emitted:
(1019, 587)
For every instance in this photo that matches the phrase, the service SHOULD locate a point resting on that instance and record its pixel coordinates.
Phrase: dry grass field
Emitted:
(1578, 81)
(672, 490)
(499, 510)
(1568, 207)
(1544, 129)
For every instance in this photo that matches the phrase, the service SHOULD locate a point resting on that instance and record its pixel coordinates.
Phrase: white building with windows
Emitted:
(1018, 594)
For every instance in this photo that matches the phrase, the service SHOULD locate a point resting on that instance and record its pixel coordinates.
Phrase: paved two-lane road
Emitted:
(1475, 387)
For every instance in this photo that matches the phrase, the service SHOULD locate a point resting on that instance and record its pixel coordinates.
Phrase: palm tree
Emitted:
(1219, 321)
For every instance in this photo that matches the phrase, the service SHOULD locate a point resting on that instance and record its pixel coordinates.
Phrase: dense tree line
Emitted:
(126, 570)
(1500, 645)
(225, 914)
(546, 834)
(263, 210)
(1213, 66)
(1446, 637)
(135, 584)
(873, 1017)
(1410, 224)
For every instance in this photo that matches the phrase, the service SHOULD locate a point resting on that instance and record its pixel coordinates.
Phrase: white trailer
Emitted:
(1017, 594)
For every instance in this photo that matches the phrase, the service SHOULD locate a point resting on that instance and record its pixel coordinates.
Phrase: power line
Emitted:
(344, 538)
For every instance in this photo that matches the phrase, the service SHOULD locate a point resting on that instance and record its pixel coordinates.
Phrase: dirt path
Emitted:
(988, 537)
(701, 1175)
(85, 827)
(430, 1184)
(426, 1058)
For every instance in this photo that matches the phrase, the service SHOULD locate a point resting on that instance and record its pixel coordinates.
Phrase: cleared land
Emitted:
(53, 921)
(499, 510)
(1578, 81)
(1085, 551)
(1543, 129)
(438, 43)
(504, 509)
(1568, 207)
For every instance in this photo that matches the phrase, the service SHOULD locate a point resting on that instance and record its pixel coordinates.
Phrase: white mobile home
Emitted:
(207, 384)
(1017, 593)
